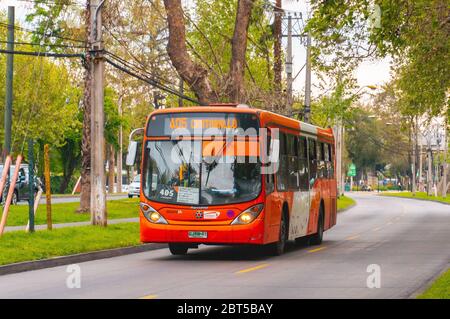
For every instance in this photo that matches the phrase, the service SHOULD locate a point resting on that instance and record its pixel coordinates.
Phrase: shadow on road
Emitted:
(233, 253)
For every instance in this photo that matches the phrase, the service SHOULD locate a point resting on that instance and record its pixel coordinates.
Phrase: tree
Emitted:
(413, 32)
(195, 75)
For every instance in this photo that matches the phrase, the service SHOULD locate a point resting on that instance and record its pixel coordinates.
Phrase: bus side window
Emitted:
(326, 158)
(270, 178)
(282, 169)
(303, 167)
(331, 153)
(312, 153)
(320, 160)
(293, 180)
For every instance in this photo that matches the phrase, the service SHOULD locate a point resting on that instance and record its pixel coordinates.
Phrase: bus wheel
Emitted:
(317, 238)
(178, 249)
(277, 248)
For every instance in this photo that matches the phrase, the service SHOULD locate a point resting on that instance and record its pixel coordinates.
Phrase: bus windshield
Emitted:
(195, 172)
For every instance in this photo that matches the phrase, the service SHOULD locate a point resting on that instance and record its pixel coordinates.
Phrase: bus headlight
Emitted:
(152, 215)
(249, 215)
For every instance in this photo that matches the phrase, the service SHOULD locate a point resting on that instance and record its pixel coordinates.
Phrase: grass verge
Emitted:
(344, 202)
(66, 212)
(419, 195)
(440, 289)
(21, 246)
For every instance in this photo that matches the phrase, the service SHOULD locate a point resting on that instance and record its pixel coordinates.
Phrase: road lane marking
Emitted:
(377, 229)
(389, 223)
(352, 237)
(317, 249)
(243, 271)
(149, 297)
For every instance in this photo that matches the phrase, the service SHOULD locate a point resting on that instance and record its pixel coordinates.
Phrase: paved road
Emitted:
(409, 240)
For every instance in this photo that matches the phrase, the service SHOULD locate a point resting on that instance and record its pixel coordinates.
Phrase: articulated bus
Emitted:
(231, 174)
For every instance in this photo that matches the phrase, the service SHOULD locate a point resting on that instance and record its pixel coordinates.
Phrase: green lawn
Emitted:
(440, 289)
(344, 202)
(419, 195)
(66, 212)
(21, 246)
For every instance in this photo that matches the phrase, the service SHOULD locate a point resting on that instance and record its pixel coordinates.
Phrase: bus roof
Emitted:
(266, 116)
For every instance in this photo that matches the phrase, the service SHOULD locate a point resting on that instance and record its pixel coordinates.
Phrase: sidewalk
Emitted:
(43, 227)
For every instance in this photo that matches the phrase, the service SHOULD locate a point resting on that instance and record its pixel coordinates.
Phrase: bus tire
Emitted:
(317, 238)
(178, 249)
(277, 248)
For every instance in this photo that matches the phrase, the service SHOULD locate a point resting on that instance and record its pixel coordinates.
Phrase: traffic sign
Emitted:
(351, 170)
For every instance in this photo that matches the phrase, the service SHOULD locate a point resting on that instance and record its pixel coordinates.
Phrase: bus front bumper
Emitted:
(252, 233)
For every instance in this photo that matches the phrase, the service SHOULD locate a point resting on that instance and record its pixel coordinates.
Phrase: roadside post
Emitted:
(48, 194)
(31, 185)
(351, 173)
(10, 194)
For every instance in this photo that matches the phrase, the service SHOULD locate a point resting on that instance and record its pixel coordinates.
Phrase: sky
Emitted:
(373, 72)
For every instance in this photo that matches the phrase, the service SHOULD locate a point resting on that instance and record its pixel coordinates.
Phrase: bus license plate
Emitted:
(198, 234)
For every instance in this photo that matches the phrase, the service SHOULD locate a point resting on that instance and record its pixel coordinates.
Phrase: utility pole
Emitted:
(444, 168)
(289, 65)
(31, 185)
(307, 117)
(98, 194)
(413, 157)
(9, 83)
(337, 135)
(430, 169)
(277, 67)
(120, 151)
(420, 169)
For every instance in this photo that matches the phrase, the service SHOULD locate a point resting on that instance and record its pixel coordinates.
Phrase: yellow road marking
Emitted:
(149, 297)
(317, 249)
(352, 237)
(243, 271)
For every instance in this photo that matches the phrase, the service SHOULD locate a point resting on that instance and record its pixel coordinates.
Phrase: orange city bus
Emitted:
(231, 174)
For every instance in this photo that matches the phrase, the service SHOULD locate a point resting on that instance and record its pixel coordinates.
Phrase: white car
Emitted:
(135, 187)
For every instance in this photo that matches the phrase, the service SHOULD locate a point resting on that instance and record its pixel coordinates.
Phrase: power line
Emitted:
(152, 82)
(54, 2)
(48, 35)
(44, 54)
(46, 45)
(136, 67)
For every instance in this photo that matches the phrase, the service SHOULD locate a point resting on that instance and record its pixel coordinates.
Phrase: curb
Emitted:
(424, 287)
(78, 258)
(421, 199)
(347, 208)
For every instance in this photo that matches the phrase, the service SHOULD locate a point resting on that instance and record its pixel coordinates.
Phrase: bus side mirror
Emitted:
(274, 150)
(132, 151)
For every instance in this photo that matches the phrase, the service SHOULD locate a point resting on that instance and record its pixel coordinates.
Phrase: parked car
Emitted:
(366, 188)
(21, 190)
(135, 187)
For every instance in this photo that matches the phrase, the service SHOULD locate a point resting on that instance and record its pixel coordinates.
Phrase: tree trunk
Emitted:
(277, 66)
(238, 50)
(71, 160)
(85, 196)
(192, 73)
(111, 169)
